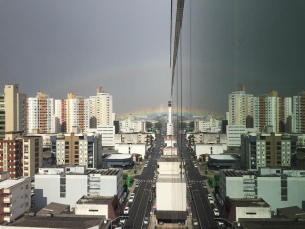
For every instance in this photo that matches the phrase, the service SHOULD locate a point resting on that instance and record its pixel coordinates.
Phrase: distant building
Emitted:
(132, 126)
(107, 132)
(298, 124)
(234, 133)
(223, 161)
(209, 148)
(67, 184)
(279, 187)
(118, 161)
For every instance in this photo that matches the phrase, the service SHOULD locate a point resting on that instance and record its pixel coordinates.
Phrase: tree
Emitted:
(158, 125)
(149, 125)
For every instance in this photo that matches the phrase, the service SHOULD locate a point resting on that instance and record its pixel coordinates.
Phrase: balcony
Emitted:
(7, 218)
(7, 200)
(6, 210)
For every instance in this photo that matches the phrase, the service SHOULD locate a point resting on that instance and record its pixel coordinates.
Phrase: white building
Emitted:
(40, 114)
(130, 125)
(234, 133)
(140, 148)
(16, 198)
(209, 149)
(107, 132)
(279, 187)
(66, 185)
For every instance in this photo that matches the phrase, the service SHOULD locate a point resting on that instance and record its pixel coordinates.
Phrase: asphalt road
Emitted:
(201, 209)
(141, 207)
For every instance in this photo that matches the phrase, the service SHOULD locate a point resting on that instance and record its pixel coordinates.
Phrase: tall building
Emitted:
(40, 114)
(20, 155)
(71, 112)
(2, 116)
(15, 108)
(298, 116)
(100, 109)
(238, 106)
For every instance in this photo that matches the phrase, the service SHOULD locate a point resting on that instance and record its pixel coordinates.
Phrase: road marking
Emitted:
(139, 205)
(203, 208)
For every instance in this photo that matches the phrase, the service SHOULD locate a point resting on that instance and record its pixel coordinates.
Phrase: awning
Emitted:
(171, 215)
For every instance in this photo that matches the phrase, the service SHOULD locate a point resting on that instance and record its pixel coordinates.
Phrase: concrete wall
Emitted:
(171, 196)
(91, 209)
(132, 149)
(253, 212)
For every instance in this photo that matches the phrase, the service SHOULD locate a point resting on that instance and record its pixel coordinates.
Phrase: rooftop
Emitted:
(291, 212)
(237, 173)
(222, 157)
(105, 171)
(95, 200)
(54, 208)
(248, 202)
(119, 156)
(58, 222)
(271, 224)
(11, 182)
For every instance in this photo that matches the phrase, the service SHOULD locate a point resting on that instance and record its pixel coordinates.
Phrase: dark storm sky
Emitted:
(74, 46)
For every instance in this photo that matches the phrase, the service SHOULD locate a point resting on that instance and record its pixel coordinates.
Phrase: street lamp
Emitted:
(225, 220)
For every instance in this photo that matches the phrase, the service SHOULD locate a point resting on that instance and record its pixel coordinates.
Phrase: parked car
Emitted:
(161, 222)
(211, 200)
(133, 195)
(123, 221)
(120, 226)
(216, 212)
(195, 221)
(126, 210)
(146, 220)
(204, 186)
(210, 195)
(131, 199)
(145, 165)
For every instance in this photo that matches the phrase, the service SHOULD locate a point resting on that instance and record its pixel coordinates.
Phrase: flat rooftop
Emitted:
(58, 222)
(108, 172)
(95, 200)
(237, 173)
(11, 182)
(271, 223)
(119, 156)
(54, 208)
(248, 202)
(222, 157)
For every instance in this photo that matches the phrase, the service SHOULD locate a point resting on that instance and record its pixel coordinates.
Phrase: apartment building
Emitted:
(107, 132)
(15, 108)
(273, 150)
(67, 184)
(100, 109)
(77, 149)
(129, 125)
(15, 198)
(71, 112)
(279, 187)
(20, 155)
(298, 117)
(40, 114)
(2, 116)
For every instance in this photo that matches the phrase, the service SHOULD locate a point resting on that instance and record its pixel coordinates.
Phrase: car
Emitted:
(145, 165)
(126, 210)
(204, 186)
(211, 200)
(133, 195)
(149, 200)
(216, 212)
(155, 177)
(195, 221)
(137, 185)
(131, 199)
(123, 221)
(161, 222)
(145, 220)
(220, 223)
(210, 195)
(195, 165)
(120, 226)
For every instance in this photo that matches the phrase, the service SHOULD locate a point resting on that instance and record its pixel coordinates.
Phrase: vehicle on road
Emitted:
(216, 212)
(204, 186)
(195, 221)
(126, 210)
(137, 185)
(131, 199)
(145, 220)
(120, 226)
(161, 222)
(211, 200)
(133, 195)
(210, 195)
(123, 221)
(155, 177)
(145, 165)
(195, 165)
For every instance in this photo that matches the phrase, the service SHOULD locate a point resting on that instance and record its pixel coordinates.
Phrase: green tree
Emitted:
(149, 125)
(158, 125)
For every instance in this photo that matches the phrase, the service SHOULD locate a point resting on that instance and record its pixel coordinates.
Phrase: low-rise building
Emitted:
(118, 161)
(223, 161)
(236, 209)
(209, 148)
(108, 206)
(139, 148)
(67, 184)
(279, 187)
(15, 198)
